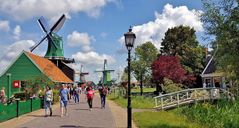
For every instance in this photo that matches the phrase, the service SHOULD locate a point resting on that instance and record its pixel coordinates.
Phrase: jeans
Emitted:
(77, 98)
(102, 100)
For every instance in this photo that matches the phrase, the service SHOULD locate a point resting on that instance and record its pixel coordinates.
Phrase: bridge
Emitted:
(188, 96)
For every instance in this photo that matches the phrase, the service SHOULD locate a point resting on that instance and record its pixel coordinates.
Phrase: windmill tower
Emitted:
(82, 75)
(106, 78)
(55, 51)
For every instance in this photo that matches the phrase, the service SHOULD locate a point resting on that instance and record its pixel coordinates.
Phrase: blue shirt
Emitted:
(64, 94)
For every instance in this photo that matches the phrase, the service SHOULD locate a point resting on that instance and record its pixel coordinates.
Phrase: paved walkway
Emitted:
(79, 116)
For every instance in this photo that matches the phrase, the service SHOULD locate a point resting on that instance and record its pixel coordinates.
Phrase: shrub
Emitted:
(22, 95)
(56, 97)
(169, 86)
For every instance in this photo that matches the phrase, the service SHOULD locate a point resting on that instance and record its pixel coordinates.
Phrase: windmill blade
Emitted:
(109, 70)
(57, 26)
(43, 24)
(38, 44)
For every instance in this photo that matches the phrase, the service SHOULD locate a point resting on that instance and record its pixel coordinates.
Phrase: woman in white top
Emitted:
(48, 100)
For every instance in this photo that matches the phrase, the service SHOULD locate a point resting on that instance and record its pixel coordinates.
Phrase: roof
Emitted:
(210, 67)
(49, 68)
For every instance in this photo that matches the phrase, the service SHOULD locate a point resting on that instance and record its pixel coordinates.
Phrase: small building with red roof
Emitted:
(28, 66)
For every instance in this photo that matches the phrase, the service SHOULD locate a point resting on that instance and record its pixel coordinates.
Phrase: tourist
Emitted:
(104, 92)
(76, 92)
(64, 93)
(48, 100)
(89, 96)
(2, 95)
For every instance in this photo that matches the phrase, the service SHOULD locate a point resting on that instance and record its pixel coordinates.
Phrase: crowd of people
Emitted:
(68, 93)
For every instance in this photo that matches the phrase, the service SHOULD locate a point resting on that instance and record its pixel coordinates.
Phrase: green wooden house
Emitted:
(29, 66)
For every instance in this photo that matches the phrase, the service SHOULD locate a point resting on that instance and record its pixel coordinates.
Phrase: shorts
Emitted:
(63, 103)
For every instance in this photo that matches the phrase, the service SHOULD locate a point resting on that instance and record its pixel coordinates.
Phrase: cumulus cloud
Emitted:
(50, 8)
(82, 40)
(4, 25)
(17, 32)
(170, 17)
(92, 58)
(13, 51)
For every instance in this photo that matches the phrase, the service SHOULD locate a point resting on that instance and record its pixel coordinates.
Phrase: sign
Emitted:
(16, 83)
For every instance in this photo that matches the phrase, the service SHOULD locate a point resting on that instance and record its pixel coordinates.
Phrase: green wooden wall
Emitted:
(22, 69)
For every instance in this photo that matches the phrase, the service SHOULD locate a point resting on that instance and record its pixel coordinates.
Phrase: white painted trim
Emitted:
(10, 65)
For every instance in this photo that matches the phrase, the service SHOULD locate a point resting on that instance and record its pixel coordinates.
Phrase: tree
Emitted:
(181, 41)
(221, 20)
(168, 67)
(141, 66)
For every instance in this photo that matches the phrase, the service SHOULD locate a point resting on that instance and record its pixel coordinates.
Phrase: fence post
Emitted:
(31, 103)
(162, 103)
(156, 104)
(17, 106)
(178, 99)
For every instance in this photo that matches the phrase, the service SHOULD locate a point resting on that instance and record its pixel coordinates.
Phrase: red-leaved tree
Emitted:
(169, 67)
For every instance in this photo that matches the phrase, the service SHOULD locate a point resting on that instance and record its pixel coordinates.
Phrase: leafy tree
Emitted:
(181, 41)
(168, 67)
(221, 20)
(141, 66)
(145, 55)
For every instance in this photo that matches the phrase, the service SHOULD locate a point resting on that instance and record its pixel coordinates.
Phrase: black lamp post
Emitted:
(129, 43)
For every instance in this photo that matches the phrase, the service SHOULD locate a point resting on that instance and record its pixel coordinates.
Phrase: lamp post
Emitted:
(129, 43)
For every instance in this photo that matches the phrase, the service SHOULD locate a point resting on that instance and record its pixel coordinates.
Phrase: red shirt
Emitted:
(90, 94)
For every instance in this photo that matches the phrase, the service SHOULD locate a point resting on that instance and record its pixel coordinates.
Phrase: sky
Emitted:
(94, 29)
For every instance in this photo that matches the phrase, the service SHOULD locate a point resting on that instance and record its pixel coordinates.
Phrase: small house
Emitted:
(29, 66)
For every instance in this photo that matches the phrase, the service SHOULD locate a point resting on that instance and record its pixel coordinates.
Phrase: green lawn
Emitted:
(136, 101)
(162, 119)
(144, 89)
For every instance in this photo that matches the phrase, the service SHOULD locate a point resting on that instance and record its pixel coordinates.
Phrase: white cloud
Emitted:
(13, 51)
(92, 58)
(17, 32)
(4, 25)
(170, 17)
(82, 40)
(50, 8)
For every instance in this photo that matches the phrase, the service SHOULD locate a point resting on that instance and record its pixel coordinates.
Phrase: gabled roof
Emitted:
(210, 67)
(48, 68)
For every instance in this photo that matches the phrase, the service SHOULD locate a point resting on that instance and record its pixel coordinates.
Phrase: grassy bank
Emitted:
(136, 101)
(162, 119)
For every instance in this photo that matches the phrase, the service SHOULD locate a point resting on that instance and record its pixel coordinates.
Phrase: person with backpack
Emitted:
(103, 93)
(90, 96)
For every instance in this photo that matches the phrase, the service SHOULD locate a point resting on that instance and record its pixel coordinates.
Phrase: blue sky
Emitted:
(94, 29)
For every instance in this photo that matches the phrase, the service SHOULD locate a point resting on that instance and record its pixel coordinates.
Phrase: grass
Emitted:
(144, 89)
(222, 114)
(162, 119)
(138, 102)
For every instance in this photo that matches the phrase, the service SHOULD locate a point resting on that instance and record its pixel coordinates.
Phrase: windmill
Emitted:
(82, 75)
(55, 51)
(106, 78)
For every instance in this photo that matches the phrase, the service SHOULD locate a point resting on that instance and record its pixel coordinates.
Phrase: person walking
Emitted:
(48, 101)
(2, 95)
(64, 93)
(103, 96)
(76, 93)
(90, 96)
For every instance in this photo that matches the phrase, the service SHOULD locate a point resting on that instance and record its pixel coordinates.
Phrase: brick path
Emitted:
(79, 116)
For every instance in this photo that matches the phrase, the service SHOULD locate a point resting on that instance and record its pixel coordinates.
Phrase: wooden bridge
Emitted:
(188, 96)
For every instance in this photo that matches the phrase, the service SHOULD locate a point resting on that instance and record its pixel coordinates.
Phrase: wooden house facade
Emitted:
(29, 66)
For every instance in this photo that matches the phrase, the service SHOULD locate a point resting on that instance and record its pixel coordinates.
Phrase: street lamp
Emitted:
(129, 43)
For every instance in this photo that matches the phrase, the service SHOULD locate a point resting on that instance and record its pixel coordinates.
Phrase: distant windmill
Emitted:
(82, 75)
(106, 78)
(55, 51)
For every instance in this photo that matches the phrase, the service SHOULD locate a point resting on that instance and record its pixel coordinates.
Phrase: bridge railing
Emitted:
(190, 95)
